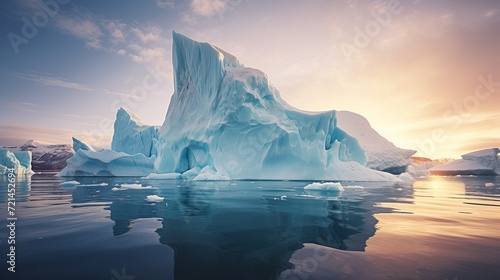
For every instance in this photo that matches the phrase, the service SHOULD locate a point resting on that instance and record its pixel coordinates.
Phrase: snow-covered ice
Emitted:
(325, 187)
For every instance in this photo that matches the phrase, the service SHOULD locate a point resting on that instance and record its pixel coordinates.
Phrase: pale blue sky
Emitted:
(416, 74)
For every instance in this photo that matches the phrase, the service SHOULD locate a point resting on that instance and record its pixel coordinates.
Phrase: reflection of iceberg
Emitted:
(248, 231)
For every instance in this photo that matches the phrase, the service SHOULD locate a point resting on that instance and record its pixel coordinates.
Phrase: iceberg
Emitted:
(228, 119)
(483, 162)
(87, 162)
(18, 162)
(131, 136)
(382, 154)
(77, 145)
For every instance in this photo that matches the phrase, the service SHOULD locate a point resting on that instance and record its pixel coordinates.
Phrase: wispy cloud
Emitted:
(83, 28)
(51, 81)
(25, 106)
(165, 3)
(148, 34)
(208, 7)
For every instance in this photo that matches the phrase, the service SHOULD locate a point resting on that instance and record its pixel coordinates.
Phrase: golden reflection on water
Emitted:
(446, 230)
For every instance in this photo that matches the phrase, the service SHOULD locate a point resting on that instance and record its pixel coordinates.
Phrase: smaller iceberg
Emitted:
(88, 162)
(483, 162)
(18, 162)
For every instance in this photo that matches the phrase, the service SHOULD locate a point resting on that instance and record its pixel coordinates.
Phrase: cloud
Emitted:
(84, 29)
(148, 34)
(25, 106)
(117, 30)
(208, 7)
(165, 3)
(51, 81)
(18, 134)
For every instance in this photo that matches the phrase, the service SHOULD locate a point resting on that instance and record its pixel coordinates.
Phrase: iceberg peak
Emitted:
(131, 136)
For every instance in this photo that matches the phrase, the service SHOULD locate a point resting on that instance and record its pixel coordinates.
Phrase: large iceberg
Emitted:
(131, 136)
(230, 118)
(18, 162)
(226, 121)
(90, 162)
(382, 154)
(483, 162)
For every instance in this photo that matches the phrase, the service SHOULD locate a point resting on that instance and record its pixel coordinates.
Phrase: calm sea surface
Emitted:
(439, 228)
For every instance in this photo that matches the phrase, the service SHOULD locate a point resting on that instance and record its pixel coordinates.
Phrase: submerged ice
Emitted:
(227, 121)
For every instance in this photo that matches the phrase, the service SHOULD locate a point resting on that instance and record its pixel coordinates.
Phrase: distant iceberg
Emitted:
(19, 162)
(483, 162)
(227, 121)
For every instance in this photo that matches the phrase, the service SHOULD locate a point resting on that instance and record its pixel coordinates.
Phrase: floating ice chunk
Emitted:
(325, 187)
(489, 184)
(124, 187)
(154, 198)
(165, 176)
(69, 183)
(95, 185)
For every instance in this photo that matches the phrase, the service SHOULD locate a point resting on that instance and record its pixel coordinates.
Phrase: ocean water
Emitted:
(439, 228)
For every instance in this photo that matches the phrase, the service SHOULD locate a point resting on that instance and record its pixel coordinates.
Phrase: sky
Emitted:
(426, 74)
